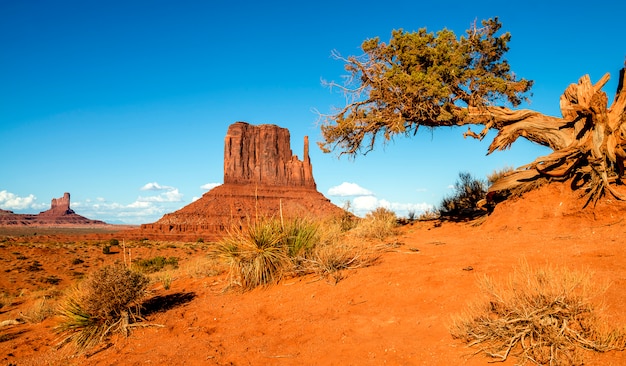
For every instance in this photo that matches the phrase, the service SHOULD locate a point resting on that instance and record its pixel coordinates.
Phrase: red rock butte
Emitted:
(59, 214)
(262, 178)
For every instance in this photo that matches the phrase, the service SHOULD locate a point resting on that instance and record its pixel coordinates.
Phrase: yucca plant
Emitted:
(300, 236)
(256, 253)
(105, 303)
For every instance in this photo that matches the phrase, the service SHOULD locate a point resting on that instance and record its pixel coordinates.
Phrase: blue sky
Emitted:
(125, 104)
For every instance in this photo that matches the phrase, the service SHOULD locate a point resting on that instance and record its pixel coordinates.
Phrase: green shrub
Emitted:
(300, 237)
(106, 249)
(545, 316)
(114, 242)
(155, 264)
(106, 302)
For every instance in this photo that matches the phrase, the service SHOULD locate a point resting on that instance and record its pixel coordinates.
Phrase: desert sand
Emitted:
(395, 312)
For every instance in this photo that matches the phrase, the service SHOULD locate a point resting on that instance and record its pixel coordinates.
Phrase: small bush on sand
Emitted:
(155, 264)
(106, 302)
(256, 253)
(464, 203)
(329, 260)
(378, 224)
(545, 316)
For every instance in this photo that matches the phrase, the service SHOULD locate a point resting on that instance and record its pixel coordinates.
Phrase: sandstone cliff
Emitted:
(262, 178)
(262, 155)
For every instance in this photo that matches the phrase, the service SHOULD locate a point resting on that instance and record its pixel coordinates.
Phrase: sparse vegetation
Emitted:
(155, 264)
(256, 253)
(39, 311)
(263, 252)
(465, 202)
(328, 260)
(544, 316)
(107, 302)
(378, 224)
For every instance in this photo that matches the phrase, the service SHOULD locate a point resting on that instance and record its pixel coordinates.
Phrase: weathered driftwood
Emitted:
(588, 142)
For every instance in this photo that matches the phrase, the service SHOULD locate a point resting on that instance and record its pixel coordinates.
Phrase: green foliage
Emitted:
(300, 237)
(104, 303)
(464, 203)
(114, 242)
(155, 264)
(421, 79)
(106, 249)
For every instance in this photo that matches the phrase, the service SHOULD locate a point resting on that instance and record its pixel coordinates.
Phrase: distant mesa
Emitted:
(262, 178)
(59, 207)
(59, 214)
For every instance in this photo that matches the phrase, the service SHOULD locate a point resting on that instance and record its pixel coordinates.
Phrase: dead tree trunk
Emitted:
(589, 141)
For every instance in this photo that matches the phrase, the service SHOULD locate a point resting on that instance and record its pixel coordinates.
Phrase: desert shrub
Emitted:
(300, 236)
(545, 316)
(256, 253)
(155, 264)
(411, 215)
(428, 215)
(114, 242)
(106, 249)
(329, 259)
(106, 302)
(465, 202)
(378, 224)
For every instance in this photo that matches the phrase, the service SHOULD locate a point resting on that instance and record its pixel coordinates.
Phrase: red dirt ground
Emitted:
(396, 312)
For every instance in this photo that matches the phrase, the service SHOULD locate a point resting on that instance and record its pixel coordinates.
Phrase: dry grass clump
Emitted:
(265, 251)
(377, 224)
(106, 302)
(40, 310)
(328, 260)
(256, 253)
(544, 316)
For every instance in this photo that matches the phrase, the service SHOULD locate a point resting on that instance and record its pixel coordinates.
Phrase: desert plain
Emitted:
(397, 311)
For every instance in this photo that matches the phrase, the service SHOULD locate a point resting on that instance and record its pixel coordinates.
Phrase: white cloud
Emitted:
(346, 189)
(154, 186)
(209, 186)
(10, 201)
(173, 195)
(141, 211)
(364, 201)
(363, 204)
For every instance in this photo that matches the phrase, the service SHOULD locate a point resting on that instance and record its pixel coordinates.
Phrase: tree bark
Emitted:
(589, 141)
